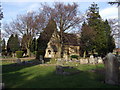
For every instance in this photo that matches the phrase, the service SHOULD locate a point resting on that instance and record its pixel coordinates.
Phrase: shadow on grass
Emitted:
(45, 77)
(12, 67)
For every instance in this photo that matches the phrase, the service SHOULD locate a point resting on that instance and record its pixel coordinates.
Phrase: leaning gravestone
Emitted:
(111, 69)
(18, 61)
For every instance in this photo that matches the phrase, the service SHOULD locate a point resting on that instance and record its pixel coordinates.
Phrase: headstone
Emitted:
(42, 61)
(83, 61)
(41, 57)
(18, 61)
(111, 69)
(2, 86)
(91, 59)
(59, 61)
(100, 60)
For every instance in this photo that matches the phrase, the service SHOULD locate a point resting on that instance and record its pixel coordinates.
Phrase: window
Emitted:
(49, 51)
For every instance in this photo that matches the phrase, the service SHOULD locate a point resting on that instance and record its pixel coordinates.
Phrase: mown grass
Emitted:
(39, 76)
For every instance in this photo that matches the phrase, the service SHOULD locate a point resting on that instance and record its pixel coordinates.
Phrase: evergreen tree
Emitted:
(45, 36)
(110, 40)
(87, 39)
(33, 45)
(102, 31)
(25, 43)
(16, 43)
(13, 44)
(9, 43)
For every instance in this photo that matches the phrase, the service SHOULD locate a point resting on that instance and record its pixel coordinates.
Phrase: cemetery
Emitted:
(38, 51)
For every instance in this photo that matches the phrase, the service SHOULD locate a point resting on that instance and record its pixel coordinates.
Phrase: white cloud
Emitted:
(110, 12)
(33, 7)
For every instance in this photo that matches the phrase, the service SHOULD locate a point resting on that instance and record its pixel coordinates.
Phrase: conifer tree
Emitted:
(45, 37)
(13, 44)
(87, 39)
(33, 45)
(102, 36)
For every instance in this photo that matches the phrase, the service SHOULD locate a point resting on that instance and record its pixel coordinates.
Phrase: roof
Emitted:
(70, 39)
(117, 50)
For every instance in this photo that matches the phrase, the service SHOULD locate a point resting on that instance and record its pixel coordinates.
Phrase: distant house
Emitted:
(71, 45)
(117, 50)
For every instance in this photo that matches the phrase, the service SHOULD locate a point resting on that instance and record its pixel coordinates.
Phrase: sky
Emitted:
(12, 8)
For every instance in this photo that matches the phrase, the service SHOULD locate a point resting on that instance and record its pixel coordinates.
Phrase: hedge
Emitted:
(19, 54)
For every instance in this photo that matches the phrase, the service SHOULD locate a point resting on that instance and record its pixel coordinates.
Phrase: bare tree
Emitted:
(66, 17)
(115, 28)
(116, 2)
(30, 24)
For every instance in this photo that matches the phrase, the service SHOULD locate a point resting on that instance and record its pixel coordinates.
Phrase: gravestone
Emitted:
(111, 69)
(83, 61)
(18, 61)
(91, 59)
(41, 57)
(100, 60)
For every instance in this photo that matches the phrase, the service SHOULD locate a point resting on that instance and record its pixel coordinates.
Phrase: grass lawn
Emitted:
(40, 76)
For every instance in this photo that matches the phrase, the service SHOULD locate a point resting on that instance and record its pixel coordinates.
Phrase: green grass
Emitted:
(38, 76)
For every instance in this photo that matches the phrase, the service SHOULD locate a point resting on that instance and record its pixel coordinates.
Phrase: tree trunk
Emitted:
(84, 55)
(61, 44)
(28, 52)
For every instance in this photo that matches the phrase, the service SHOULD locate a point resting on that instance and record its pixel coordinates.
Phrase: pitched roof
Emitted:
(70, 39)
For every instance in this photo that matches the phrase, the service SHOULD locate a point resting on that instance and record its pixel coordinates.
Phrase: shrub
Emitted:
(74, 56)
(19, 54)
(38, 53)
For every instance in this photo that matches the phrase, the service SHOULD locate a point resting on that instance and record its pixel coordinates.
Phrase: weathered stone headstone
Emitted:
(83, 61)
(41, 57)
(111, 69)
(100, 60)
(91, 59)
(18, 61)
(42, 61)
(2, 86)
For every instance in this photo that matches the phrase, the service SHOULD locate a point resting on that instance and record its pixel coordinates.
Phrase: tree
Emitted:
(110, 39)
(102, 29)
(33, 45)
(117, 2)
(87, 39)
(30, 25)
(45, 37)
(66, 17)
(26, 42)
(13, 44)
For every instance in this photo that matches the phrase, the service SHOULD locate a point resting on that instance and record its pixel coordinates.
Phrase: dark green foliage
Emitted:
(74, 56)
(87, 38)
(19, 54)
(96, 34)
(13, 44)
(26, 42)
(110, 40)
(45, 37)
(33, 45)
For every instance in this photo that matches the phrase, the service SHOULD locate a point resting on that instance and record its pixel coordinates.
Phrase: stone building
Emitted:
(71, 45)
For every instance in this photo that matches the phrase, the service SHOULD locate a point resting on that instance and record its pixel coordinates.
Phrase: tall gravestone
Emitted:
(111, 69)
